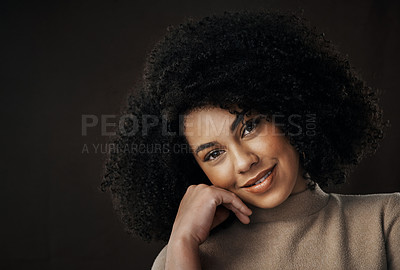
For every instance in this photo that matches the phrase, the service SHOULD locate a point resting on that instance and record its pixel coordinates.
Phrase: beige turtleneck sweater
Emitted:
(310, 230)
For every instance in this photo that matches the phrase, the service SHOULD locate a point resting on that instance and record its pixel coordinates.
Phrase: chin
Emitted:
(269, 200)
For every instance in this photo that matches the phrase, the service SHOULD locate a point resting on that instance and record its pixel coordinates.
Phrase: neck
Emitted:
(300, 204)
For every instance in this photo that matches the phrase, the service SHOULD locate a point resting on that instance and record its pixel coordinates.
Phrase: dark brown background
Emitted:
(61, 60)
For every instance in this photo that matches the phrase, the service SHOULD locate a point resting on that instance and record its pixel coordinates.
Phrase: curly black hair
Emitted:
(272, 63)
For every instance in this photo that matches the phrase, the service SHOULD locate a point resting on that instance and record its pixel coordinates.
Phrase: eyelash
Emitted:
(252, 122)
(207, 157)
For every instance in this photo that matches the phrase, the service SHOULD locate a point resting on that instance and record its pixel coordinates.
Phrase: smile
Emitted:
(262, 179)
(262, 182)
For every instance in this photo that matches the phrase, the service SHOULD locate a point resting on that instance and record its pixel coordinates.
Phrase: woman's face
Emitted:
(253, 159)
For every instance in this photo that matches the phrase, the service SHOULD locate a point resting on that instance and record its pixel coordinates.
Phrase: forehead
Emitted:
(208, 123)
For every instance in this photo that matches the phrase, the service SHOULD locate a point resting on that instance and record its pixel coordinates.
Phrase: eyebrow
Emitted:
(238, 119)
(204, 146)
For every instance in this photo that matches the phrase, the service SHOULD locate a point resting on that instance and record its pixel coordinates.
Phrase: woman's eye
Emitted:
(213, 155)
(249, 126)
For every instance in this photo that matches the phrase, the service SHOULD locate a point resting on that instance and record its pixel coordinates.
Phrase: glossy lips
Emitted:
(261, 182)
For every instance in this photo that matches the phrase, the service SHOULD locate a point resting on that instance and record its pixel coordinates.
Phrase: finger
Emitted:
(229, 197)
(242, 217)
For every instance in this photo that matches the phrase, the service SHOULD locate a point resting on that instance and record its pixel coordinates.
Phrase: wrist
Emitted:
(182, 241)
(182, 253)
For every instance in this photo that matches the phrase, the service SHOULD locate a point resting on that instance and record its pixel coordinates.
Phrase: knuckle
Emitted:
(233, 196)
(191, 187)
(209, 191)
(202, 185)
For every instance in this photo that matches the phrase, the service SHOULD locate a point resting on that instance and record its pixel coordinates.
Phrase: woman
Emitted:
(241, 119)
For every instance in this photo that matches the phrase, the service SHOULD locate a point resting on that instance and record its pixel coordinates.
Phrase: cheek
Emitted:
(289, 159)
(267, 146)
(275, 147)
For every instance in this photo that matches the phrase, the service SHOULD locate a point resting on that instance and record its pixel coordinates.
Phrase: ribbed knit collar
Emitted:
(297, 205)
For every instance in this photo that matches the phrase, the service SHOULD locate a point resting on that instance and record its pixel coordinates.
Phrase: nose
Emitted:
(244, 159)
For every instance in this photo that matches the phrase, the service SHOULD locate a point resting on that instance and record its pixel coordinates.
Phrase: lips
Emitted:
(258, 177)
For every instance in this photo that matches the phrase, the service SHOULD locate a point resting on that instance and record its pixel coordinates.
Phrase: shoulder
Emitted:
(376, 199)
(159, 262)
(384, 206)
(380, 201)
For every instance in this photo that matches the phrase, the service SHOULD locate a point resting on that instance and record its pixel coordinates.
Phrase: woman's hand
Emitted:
(202, 208)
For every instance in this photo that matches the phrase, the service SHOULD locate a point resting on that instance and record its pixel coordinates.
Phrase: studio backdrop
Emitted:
(67, 63)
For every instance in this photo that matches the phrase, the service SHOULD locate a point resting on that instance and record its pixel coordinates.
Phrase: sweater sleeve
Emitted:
(392, 232)
(159, 262)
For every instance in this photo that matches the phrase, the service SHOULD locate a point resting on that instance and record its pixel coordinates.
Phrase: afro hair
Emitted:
(272, 63)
